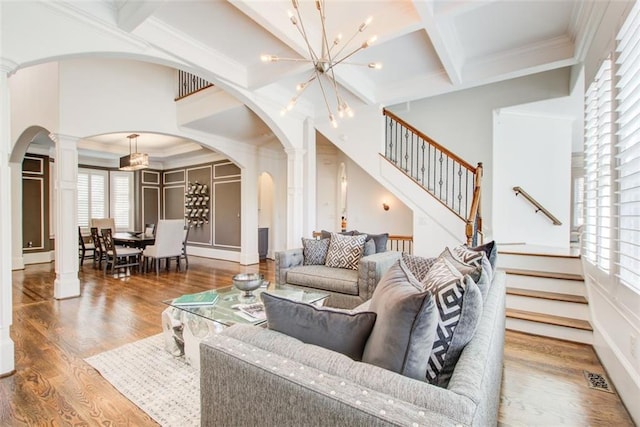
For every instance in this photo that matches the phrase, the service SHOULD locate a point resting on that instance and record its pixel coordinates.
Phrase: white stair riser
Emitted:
(540, 263)
(543, 329)
(571, 310)
(571, 287)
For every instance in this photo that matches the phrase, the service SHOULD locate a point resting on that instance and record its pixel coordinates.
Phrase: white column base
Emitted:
(248, 259)
(66, 286)
(7, 358)
(17, 263)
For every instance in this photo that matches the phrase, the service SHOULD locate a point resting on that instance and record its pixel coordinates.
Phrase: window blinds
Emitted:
(121, 206)
(628, 149)
(91, 196)
(597, 179)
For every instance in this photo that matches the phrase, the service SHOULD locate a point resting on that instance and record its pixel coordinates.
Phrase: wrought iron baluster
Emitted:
(441, 182)
(406, 151)
(422, 168)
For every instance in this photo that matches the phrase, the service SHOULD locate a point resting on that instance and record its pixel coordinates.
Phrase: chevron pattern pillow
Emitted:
(447, 285)
(345, 251)
(419, 266)
(314, 251)
(467, 255)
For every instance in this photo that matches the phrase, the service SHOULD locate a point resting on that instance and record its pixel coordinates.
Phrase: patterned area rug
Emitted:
(164, 387)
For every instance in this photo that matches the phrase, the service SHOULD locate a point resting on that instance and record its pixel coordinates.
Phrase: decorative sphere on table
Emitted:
(248, 283)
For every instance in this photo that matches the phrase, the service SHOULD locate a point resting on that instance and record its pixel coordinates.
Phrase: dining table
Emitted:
(133, 239)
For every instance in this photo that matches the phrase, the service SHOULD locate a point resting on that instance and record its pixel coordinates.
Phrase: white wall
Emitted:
(532, 152)
(35, 98)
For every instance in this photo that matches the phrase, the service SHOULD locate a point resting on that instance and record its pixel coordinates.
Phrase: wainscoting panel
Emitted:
(150, 205)
(227, 214)
(173, 202)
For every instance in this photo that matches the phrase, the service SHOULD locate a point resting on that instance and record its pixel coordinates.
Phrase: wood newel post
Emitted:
(475, 216)
(479, 175)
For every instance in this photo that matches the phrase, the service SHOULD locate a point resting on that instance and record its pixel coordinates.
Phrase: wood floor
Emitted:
(543, 382)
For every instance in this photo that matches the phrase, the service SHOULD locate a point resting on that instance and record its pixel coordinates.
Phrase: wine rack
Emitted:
(196, 204)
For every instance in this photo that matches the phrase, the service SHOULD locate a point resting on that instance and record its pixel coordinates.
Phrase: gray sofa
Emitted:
(255, 376)
(346, 288)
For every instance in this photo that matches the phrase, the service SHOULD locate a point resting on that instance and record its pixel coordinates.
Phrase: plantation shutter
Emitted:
(91, 196)
(597, 179)
(628, 149)
(121, 206)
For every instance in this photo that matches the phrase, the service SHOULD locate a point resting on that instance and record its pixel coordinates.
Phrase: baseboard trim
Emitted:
(214, 253)
(38, 257)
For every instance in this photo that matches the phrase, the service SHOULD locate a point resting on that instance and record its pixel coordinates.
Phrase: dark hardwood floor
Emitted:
(543, 383)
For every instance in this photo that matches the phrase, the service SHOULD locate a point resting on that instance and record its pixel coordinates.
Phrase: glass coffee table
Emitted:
(184, 326)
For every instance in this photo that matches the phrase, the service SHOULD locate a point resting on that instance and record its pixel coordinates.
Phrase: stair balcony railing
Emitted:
(188, 84)
(443, 174)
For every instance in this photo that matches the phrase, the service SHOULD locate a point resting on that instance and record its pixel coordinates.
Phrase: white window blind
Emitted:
(628, 150)
(121, 199)
(92, 187)
(597, 163)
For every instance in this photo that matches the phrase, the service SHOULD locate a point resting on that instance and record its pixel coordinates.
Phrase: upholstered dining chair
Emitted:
(184, 256)
(168, 244)
(149, 229)
(118, 256)
(85, 249)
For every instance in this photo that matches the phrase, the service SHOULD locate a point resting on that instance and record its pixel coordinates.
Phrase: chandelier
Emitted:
(134, 161)
(324, 62)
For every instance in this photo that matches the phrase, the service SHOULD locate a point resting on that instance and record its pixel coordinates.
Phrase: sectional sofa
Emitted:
(257, 376)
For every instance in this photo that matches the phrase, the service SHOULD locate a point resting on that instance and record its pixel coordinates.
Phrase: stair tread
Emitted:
(549, 319)
(538, 250)
(555, 296)
(545, 274)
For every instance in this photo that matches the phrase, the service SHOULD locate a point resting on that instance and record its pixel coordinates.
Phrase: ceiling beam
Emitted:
(444, 39)
(132, 13)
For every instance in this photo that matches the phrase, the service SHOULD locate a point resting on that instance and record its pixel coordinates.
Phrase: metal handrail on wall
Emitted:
(443, 174)
(537, 205)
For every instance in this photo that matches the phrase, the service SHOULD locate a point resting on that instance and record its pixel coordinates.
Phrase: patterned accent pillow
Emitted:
(447, 286)
(464, 268)
(314, 251)
(345, 251)
(417, 265)
(491, 250)
(468, 255)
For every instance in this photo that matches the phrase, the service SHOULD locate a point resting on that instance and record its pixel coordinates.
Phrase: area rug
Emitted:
(164, 387)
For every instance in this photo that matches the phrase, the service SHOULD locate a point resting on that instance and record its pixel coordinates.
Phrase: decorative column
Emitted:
(295, 197)
(67, 284)
(309, 183)
(249, 211)
(7, 358)
(17, 261)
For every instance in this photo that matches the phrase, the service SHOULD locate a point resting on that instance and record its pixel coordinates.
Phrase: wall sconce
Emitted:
(385, 206)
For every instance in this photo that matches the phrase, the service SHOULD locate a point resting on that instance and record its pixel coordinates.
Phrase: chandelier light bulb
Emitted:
(375, 65)
(365, 24)
(292, 103)
(349, 112)
(292, 17)
(333, 121)
(283, 112)
(300, 86)
(269, 58)
(337, 39)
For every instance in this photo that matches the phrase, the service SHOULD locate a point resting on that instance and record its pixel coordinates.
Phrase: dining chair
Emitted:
(118, 256)
(168, 244)
(85, 249)
(100, 252)
(187, 227)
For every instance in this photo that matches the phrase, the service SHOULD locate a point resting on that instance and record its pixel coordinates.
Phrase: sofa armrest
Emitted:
(284, 260)
(371, 268)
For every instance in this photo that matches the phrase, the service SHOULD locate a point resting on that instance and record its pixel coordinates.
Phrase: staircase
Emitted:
(546, 294)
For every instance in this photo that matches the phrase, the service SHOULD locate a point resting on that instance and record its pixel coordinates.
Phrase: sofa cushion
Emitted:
(314, 251)
(336, 330)
(345, 251)
(457, 321)
(369, 248)
(330, 279)
(324, 234)
(404, 331)
(418, 265)
(379, 239)
(472, 270)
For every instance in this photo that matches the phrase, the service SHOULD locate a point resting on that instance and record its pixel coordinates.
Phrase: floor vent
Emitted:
(597, 382)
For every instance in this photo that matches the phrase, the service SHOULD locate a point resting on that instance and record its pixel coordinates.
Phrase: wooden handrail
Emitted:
(429, 140)
(475, 212)
(538, 206)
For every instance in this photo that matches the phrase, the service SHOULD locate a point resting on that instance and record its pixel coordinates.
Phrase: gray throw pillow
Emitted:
(324, 234)
(379, 239)
(418, 265)
(340, 331)
(472, 306)
(314, 251)
(369, 248)
(405, 328)
(345, 251)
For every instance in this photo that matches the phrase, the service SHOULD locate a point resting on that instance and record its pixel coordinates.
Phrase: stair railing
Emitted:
(537, 205)
(188, 84)
(443, 174)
